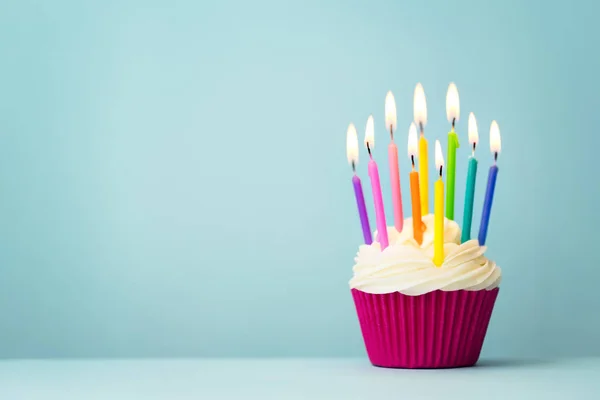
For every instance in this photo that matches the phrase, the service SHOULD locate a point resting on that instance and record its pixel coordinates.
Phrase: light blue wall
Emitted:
(173, 178)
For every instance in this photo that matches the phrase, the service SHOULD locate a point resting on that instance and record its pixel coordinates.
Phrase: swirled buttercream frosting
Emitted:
(407, 267)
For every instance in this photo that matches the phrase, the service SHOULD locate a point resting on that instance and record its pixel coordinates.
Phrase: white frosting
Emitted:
(408, 268)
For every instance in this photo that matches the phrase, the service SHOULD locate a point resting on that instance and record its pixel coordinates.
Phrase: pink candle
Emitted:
(395, 181)
(376, 186)
(390, 124)
(378, 199)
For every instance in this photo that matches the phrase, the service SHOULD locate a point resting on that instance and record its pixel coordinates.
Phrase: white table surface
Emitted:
(294, 379)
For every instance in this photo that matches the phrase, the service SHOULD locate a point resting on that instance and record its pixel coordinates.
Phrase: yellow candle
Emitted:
(420, 116)
(423, 175)
(438, 228)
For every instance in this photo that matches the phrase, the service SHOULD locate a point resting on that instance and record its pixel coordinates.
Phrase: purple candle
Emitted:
(352, 153)
(362, 209)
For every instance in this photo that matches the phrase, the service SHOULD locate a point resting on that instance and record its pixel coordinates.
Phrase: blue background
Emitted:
(173, 177)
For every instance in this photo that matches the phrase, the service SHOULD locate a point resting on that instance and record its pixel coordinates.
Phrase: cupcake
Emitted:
(414, 314)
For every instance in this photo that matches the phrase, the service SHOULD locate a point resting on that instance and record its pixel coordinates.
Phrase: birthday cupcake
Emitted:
(414, 314)
(423, 292)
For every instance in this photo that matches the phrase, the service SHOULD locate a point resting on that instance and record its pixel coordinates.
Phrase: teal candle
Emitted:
(469, 198)
(471, 178)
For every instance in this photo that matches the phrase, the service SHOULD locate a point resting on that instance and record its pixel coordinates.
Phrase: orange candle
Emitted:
(414, 186)
(416, 206)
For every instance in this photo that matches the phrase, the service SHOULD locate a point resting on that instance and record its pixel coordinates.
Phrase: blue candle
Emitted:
(487, 204)
(491, 185)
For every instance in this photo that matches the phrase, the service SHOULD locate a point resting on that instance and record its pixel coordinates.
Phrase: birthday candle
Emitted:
(390, 124)
(376, 185)
(438, 228)
(471, 178)
(453, 113)
(495, 145)
(414, 185)
(420, 116)
(352, 153)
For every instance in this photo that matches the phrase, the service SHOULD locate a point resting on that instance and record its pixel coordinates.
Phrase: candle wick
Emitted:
(441, 167)
(495, 156)
(369, 150)
(353, 167)
(412, 160)
(453, 123)
(473, 152)
(421, 128)
(392, 132)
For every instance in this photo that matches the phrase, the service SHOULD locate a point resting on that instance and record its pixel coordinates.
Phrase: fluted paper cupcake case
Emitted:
(434, 330)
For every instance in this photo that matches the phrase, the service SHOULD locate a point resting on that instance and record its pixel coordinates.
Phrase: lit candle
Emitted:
(453, 113)
(471, 178)
(438, 209)
(495, 146)
(414, 185)
(352, 153)
(376, 185)
(390, 124)
(420, 116)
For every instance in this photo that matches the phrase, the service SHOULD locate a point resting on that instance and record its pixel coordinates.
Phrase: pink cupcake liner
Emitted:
(434, 330)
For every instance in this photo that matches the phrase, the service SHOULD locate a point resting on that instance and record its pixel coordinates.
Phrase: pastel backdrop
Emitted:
(173, 179)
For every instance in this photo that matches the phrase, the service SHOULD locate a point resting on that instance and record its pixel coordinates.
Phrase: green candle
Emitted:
(452, 146)
(452, 112)
(469, 197)
(471, 178)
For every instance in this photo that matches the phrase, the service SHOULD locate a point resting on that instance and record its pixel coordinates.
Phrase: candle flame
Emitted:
(413, 144)
(452, 103)
(495, 142)
(473, 133)
(390, 112)
(370, 133)
(352, 145)
(439, 155)
(420, 105)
